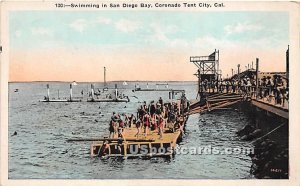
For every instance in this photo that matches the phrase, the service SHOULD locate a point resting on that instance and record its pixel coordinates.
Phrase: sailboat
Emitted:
(74, 83)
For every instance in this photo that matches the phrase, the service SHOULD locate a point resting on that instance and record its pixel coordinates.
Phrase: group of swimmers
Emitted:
(154, 117)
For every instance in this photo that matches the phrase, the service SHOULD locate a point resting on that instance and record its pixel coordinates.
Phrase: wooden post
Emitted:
(257, 66)
(238, 68)
(71, 93)
(48, 92)
(231, 72)
(116, 90)
(217, 60)
(199, 83)
(92, 87)
(104, 77)
(287, 62)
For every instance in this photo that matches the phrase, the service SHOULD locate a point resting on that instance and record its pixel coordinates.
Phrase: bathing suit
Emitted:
(121, 124)
(146, 121)
(153, 122)
(161, 123)
(138, 124)
(111, 127)
(120, 130)
(103, 150)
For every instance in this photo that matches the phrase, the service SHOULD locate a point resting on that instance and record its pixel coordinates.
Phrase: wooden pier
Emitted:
(271, 108)
(108, 100)
(223, 100)
(142, 146)
(159, 89)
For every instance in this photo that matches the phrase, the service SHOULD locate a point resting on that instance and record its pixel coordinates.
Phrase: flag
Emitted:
(212, 56)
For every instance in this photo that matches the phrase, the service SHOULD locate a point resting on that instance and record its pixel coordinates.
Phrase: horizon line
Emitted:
(106, 82)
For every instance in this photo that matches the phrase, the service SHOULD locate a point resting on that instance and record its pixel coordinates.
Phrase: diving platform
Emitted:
(109, 100)
(161, 89)
(60, 100)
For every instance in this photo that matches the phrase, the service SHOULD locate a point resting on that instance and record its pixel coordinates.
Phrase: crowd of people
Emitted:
(268, 87)
(150, 118)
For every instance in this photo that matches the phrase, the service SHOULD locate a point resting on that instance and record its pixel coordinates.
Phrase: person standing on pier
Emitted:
(161, 126)
(213, 86)
(227, 87)
(111, 129)
(153, 122)
(131, 120)
(145, 107)
(121, 127)
(138, 127)
(114, 122)
(152, 110)
(160, 101)
(140, 113)
(146, 122)
(233, 83)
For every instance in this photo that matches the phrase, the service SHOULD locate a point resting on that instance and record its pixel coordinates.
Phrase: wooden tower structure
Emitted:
(208, 69)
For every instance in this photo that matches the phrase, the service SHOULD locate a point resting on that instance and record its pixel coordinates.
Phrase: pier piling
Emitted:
(48, 92)
(71, 92)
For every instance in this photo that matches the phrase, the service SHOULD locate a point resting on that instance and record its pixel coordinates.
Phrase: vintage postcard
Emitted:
(158, 92)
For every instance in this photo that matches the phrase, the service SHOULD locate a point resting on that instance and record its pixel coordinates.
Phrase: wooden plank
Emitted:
(224, 104)
(205, 106)
(216, 95)
(225, 99)
(226, 96)
(271, 108)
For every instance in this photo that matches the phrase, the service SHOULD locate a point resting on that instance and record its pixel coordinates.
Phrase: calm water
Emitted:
(40, 150)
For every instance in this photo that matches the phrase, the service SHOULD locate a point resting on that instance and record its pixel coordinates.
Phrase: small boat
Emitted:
(74, 83)
(125, 83)
(16, 90)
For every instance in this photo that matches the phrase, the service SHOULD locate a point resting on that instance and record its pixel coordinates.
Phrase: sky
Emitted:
(140, 45)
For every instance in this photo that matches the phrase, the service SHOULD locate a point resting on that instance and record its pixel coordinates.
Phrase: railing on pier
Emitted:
(277, 97)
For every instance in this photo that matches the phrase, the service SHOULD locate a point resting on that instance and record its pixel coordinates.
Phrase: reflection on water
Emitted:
(40, 150)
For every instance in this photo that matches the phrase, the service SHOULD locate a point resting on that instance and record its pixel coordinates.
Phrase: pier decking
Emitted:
(275, 109)
(220, 100)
